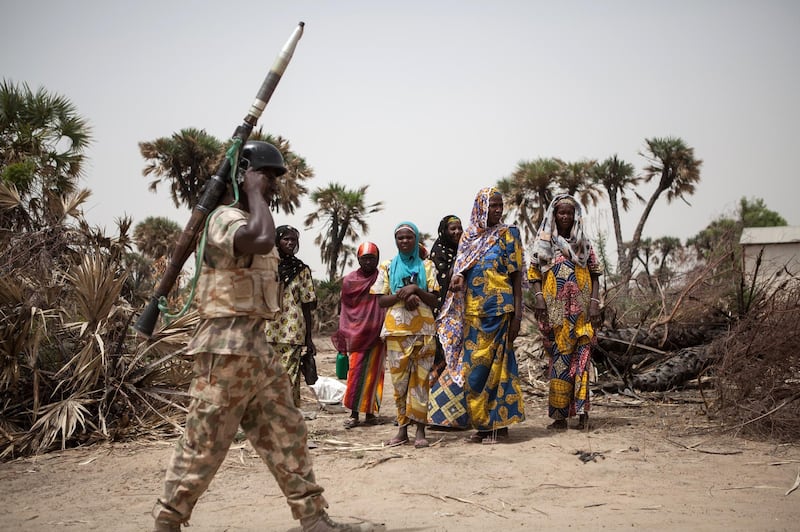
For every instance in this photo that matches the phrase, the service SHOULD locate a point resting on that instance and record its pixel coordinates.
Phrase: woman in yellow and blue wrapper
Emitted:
(480, 320)
(408, 289)
(563, 275)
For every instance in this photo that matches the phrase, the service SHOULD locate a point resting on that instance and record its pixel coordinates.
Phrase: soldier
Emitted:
(237, 378)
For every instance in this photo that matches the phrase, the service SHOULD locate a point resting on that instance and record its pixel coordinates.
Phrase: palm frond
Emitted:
(62, 419)
(97, 287)
(9, 196)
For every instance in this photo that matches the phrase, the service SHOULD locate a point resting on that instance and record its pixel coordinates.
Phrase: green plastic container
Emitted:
(342, 365)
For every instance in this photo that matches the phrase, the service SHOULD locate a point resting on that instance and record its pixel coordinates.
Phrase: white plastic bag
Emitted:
(329, 391)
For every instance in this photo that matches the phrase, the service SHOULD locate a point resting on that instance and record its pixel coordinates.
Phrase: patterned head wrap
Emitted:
(443, 253)
(478, 238)
(548, 242)
(290, 266)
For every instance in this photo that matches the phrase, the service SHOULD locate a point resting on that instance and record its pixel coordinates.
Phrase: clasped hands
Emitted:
(408, 294)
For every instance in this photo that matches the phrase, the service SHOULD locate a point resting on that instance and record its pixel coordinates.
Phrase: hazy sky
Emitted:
(428, 101)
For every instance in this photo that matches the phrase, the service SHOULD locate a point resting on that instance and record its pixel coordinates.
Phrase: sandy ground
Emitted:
(659, 466)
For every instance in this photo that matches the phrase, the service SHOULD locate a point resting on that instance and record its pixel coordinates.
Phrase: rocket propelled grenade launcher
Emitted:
(215, 188)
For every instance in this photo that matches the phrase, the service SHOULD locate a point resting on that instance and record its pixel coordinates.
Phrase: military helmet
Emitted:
(257, 154)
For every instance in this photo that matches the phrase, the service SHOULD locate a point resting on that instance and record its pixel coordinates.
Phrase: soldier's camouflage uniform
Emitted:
(238, 381)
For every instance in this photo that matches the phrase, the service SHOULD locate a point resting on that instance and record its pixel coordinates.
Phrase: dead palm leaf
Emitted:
(9, 197)
(97, 287)
(61, 418)
(70, 205)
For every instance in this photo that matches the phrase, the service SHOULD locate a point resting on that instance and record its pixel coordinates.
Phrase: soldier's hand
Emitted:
(255, 183)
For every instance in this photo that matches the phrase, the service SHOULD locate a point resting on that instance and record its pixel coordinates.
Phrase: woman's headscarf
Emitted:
(368, 248)
(361, 316)
(290, 266)
(478, 238)
(406, 267)
(576, 248)
(443, 252)
(475, 242)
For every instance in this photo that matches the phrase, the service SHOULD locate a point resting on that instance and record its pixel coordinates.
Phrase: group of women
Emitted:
(446, 324)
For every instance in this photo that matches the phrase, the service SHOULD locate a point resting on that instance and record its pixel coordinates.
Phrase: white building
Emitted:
(779, 249)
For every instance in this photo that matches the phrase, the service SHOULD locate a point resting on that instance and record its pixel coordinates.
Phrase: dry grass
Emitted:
(758, 369)
(72, 371)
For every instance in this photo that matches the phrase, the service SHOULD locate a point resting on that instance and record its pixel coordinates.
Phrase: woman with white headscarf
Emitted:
(564, 274)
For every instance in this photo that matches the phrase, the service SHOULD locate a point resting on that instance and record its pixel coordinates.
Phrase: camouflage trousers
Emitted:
(254, 392)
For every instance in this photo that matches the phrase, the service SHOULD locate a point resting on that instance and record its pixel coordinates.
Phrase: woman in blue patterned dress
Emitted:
(481, 318)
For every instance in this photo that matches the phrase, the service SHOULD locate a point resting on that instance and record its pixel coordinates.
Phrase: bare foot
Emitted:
(419, 437)
(400, 438)
(394, 442)
(421, 443)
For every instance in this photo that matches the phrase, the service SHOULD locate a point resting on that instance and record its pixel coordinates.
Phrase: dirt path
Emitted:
(657, 467)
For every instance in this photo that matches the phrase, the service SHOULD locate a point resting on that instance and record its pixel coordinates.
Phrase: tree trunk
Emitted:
(678, 337)
(683, 366)
(626, 268)
(612, 198)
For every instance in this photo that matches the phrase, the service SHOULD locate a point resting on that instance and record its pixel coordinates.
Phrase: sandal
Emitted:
(351, 422)
(496, 436)
(500, 434)
(583, 422)
(558, 424)
(478, 437)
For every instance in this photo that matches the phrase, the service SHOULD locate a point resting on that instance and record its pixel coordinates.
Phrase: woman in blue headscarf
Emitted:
(408, 289)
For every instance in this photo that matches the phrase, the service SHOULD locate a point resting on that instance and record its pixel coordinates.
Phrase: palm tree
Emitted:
(187, 159)
(668, 248)
(155, 236)
(42, 139)
(678, 171)
(290, 185)
(343, 214)
(617, 178)
(528, 191)
(576, 180)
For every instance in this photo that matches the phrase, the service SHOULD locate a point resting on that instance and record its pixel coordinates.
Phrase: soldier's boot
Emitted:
(166, 519)
(163, 525)
(321, 522)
